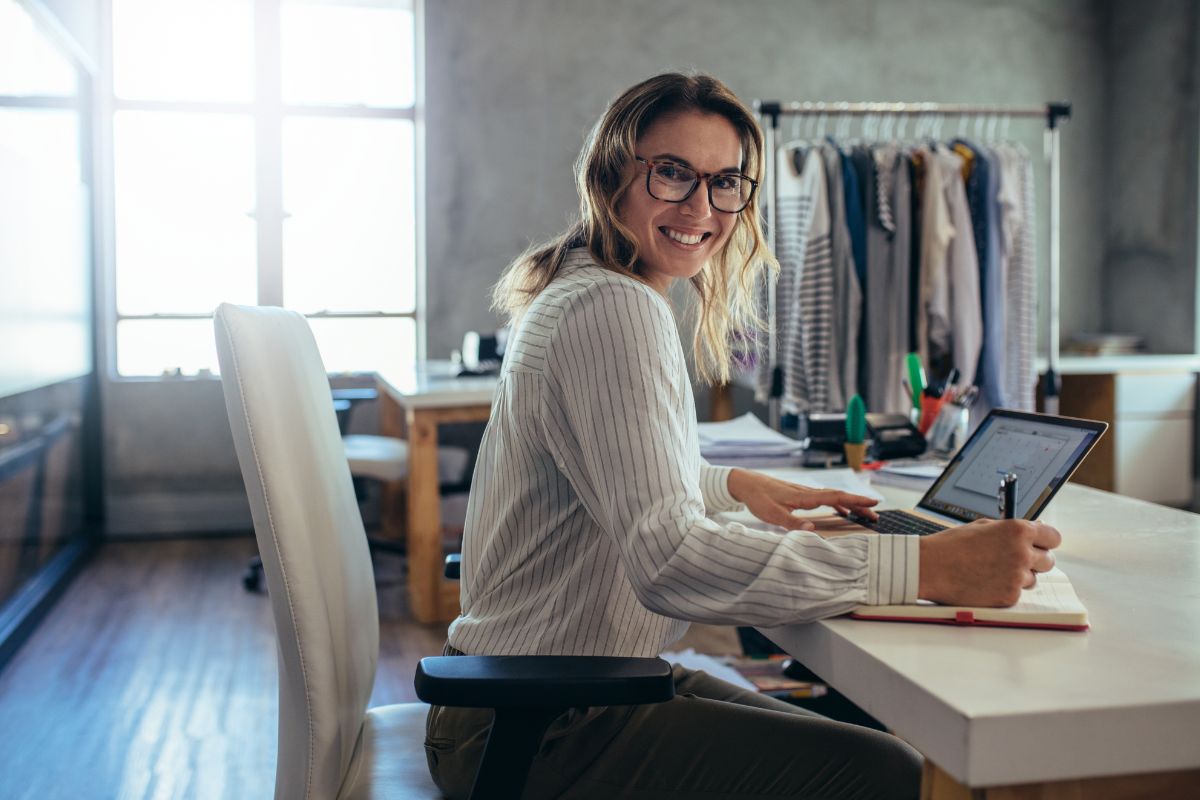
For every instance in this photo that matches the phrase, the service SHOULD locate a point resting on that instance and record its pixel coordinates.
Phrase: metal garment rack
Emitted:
(770, 112)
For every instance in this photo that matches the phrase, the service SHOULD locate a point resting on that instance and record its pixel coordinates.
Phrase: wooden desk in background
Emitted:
(1113, 712)
(413, 402)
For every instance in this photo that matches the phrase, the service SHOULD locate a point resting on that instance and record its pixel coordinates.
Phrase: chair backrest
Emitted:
(310, 537)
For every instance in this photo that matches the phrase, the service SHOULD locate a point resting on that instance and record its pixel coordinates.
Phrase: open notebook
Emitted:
(1052, 603)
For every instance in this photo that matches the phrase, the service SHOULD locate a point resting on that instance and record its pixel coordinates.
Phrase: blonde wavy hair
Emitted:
(725, 287)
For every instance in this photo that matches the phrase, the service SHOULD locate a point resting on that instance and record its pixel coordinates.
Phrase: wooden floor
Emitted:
(154, 677)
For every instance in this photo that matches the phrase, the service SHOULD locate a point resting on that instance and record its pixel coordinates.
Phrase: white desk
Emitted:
(414, 401)
(1014, 708)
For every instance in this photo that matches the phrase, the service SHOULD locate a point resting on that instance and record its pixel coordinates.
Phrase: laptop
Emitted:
(1042, 450)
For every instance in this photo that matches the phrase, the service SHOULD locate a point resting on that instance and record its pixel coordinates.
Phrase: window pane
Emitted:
(45, 302)
(29, 63)
(346, 54)
(183, 50)
(184, 186)
(348, 186)
(365, 345)
(152, 346)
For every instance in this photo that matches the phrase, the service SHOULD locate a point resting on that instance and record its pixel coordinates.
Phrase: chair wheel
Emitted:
(252, 577)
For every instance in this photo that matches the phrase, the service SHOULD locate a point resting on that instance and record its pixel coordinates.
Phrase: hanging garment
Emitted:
(955, 318)
(862, 164)
(798, 191)
(847, 294)
(1019, 254)
(855, 180)
(936, 232)
(916, 225)
(809, 342)
(886, 304)
(982, 190)
(791, 218)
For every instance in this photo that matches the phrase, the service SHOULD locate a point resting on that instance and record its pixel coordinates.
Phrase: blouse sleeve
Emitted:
(714, 488)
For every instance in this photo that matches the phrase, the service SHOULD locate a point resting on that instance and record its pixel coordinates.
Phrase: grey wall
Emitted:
(1151, 133)
(512, 86)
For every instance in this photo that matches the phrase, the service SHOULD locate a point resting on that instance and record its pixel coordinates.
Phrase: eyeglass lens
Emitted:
(674, 183)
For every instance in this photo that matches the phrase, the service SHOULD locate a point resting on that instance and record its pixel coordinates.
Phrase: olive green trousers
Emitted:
(712, 741)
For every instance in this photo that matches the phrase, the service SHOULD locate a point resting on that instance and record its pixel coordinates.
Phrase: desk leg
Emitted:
(938, 785)
(428, 601)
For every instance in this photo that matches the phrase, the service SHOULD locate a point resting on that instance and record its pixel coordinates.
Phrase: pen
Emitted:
(966, 397)
(1008, 496)
(948, 384)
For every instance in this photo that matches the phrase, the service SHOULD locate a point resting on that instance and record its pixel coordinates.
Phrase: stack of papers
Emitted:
(690, 659)
(914, 474)
(746, 440)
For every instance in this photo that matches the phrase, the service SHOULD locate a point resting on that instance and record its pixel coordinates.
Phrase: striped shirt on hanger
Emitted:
(587, 530)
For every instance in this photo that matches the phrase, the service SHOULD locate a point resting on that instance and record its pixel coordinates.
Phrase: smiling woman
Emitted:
(587, 530)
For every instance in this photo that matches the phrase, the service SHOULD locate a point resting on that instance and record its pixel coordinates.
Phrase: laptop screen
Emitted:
(1042, 451)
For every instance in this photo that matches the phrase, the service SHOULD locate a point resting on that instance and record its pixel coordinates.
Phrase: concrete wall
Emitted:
(512, 86)
(1151, 129)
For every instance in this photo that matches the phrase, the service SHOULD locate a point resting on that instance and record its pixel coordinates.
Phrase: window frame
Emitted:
(269, 214)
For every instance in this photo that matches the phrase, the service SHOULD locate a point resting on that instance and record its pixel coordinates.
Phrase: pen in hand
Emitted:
(1008, 496)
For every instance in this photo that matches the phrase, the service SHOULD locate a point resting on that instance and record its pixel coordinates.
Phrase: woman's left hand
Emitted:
(773, 500)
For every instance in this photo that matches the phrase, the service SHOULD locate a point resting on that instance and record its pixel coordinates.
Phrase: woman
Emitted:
(587, 531)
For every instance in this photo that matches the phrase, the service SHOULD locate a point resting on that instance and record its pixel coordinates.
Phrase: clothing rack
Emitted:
(770, 112)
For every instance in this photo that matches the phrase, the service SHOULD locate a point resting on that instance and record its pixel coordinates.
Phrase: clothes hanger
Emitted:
(889, 127)
(843, 127)
(797, 141)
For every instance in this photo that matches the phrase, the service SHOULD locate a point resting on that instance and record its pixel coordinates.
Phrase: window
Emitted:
(264, 152)
(45, 203)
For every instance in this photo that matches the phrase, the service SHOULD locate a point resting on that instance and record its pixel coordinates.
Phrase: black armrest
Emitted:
(453, 566)
(561, 681)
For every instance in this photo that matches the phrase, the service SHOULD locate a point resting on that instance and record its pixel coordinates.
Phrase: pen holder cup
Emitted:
(950, 429)
(855, 453)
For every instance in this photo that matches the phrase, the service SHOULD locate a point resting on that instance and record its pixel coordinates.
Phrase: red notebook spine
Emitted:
(968, 618)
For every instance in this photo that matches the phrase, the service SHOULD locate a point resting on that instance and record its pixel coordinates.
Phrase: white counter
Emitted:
(1099, 365)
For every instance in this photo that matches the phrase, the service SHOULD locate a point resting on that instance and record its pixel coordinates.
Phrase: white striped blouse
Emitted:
(587, 530)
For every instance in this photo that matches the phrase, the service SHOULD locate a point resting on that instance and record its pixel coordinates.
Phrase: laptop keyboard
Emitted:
(895, 521)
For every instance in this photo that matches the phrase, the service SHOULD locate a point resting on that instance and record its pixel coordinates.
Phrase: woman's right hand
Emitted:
(986, 563)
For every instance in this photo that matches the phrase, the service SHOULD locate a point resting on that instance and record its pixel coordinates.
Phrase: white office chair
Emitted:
(385, 459)
(314, 551)
(322, 590)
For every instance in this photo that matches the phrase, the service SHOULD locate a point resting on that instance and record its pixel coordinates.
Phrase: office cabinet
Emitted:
(1148, 451)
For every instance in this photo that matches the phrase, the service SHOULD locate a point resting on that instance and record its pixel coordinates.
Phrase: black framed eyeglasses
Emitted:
(673, 183)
